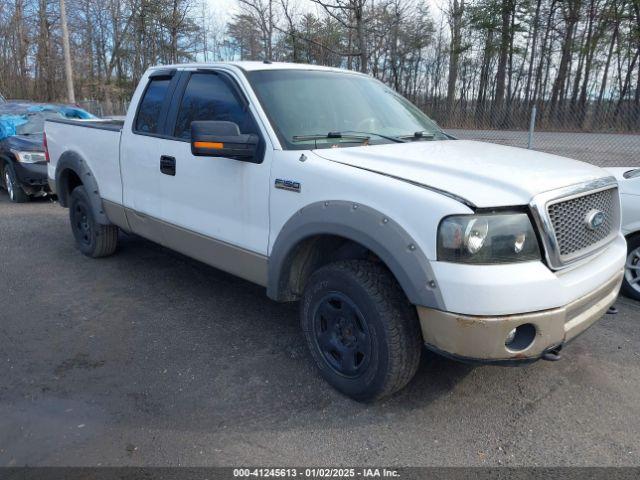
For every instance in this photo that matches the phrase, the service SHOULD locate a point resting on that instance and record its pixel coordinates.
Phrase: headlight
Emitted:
(487, 238)
(29, 157)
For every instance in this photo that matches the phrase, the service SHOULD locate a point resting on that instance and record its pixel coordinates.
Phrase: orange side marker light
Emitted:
(210, 145)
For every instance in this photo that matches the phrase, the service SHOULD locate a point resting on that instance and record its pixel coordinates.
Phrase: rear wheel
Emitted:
(631, 281)
(16, 194)
(92, 239)
(362, 332)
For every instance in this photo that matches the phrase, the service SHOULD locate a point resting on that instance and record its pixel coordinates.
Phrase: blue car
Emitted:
(23, 166)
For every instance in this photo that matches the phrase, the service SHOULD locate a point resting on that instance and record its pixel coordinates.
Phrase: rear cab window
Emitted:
(149, 117)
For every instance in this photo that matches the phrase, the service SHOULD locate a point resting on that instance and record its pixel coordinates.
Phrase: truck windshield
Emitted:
(310, 108)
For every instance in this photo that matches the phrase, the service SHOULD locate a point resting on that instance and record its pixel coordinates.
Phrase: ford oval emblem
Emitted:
(595, 219)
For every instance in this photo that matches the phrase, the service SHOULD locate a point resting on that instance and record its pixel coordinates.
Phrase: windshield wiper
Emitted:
(348, 135)
(330, 135)
(386, 137)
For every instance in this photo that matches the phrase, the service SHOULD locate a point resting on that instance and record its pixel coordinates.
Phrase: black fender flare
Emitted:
(4, 159)
(366, 226)
(72, 162)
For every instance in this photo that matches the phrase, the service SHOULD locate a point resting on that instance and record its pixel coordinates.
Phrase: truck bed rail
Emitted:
(106, 124)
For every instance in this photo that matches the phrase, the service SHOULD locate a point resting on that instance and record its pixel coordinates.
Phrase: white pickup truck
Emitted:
(327, 187)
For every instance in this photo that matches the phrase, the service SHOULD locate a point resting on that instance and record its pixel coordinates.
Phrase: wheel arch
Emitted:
(632, 235)
(72, 171)
(5, 159)
(8, 161)
(347, 230)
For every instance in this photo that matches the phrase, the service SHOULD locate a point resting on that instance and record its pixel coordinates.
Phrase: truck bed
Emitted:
(97, 142)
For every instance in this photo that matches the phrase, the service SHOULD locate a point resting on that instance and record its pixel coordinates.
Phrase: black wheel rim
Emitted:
(81, 224)
(342, 335)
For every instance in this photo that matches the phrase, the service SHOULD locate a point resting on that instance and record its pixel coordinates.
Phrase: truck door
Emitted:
(215, 204)
(139, 153)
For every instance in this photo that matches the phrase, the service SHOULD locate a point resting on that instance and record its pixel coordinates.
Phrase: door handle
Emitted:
(168, 165)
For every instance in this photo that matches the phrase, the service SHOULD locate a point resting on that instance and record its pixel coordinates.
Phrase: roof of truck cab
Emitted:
(255, 66)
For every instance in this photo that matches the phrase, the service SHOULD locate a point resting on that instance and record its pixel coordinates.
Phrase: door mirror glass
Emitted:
(223, 139)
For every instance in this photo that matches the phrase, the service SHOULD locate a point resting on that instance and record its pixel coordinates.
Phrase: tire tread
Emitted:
(106, 241)
(398, 316)
(106, 236)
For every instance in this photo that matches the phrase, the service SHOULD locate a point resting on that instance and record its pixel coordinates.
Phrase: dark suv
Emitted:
(23, 166)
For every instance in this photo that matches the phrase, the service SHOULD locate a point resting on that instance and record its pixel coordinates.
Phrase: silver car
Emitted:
(629, 181)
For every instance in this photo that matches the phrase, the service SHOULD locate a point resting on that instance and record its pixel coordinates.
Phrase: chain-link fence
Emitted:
(102, 108)
(603, 149)
(605, 134)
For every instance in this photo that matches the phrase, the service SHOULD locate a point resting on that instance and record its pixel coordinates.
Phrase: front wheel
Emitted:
(92, 239)
(363, 333)
(631, 281)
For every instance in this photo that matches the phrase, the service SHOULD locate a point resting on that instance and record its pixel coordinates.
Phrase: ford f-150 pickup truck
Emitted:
(328, 188)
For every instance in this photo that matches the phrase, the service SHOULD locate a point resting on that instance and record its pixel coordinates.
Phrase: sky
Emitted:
(229, 7)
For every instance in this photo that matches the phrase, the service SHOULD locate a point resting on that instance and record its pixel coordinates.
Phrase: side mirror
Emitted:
(223, 139)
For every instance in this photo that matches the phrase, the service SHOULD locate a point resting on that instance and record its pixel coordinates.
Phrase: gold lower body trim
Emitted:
(483, 337)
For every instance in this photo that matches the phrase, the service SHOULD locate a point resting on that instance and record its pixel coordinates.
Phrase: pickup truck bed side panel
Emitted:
(98, 148)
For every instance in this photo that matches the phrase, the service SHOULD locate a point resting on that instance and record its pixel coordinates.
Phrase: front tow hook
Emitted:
(553, 354)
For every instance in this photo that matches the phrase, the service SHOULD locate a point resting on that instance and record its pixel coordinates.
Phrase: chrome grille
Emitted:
(561, 218)
(570, 224)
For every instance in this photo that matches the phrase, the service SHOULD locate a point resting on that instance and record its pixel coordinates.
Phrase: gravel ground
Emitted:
(603, 149)
(149, 358)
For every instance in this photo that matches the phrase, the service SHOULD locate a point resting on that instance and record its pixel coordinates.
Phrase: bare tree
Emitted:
(484, 66)
(262, 12)
(351, 15)
(456, 18)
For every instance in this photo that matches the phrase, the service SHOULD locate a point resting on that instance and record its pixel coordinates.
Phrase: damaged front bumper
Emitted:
(32, 177)
(514, 338)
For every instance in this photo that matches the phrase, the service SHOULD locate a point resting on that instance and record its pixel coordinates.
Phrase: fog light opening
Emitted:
(521, 338)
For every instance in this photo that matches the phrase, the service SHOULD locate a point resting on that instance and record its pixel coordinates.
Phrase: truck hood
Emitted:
(482, 174)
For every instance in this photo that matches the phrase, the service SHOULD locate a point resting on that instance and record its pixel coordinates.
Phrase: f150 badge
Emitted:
(288, 185)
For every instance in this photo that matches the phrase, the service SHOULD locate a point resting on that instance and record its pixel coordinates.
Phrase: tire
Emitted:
(92, 239)
(362, 332)
(631, 280)
(10, 180)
